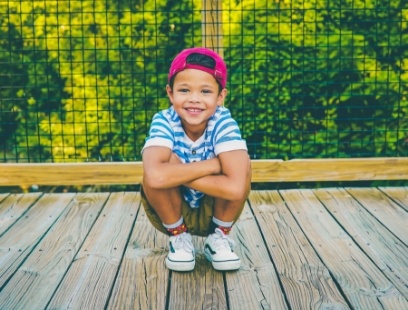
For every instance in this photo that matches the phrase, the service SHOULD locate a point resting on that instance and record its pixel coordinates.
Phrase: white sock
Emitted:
(174, 225)
(221, 223)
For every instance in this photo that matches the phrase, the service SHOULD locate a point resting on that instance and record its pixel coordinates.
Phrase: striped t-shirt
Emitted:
(221, 135)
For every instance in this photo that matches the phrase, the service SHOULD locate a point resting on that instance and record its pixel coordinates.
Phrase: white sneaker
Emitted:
(218, 250)
(181, 256)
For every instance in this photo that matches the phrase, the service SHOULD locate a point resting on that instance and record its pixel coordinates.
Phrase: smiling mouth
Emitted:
(193, 110)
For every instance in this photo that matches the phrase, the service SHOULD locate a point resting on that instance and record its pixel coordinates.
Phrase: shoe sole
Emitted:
(223, 266)
(180, 266)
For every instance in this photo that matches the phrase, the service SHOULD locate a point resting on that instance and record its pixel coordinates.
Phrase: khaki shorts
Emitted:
(197, 220)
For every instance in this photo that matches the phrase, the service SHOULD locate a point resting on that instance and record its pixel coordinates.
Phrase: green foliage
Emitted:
(319, 78)
(81, 80)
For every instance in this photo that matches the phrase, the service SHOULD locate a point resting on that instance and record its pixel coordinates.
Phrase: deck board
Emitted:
(256, 283)
(398, 194)
(18, 241)
(362, 282)
(384, 248)
(203, 286)
(47, 265)
(88, 282)
(304, 277)
(384, 209)
(3, 196)
(13, 207)
(142, 279)
(337, 248)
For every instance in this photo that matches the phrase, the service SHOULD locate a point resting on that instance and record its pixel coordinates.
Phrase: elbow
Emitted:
(239, 193)
(153, 181)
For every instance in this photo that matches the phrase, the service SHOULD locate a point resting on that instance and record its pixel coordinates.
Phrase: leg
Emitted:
(228, 211)
(166, 203)
(218, 245)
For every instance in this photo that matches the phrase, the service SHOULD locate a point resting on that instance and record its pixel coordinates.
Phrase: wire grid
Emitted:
(81, 80)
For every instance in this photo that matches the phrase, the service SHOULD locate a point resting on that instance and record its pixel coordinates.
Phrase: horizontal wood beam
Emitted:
(342, 169)
(296, 170)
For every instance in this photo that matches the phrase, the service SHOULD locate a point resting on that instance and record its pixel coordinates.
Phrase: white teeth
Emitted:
(194, 110)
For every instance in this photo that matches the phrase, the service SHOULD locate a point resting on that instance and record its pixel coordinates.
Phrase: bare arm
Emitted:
(234, 181)
(161, 171)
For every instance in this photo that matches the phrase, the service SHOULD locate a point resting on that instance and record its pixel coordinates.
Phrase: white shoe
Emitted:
(181, 256)
(218, 250)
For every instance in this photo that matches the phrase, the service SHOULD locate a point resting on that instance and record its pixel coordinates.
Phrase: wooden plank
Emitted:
(342, 169)
(32, 286)
(398, 194)
(142, 279)
(13, 207)
(3, 196)
(71, 173)
(384, 209)
(384, 249)
(203, 288)
(363, 284)
(346, 169)
(89, 280)
(305, 279)
(255, 285)
(212, 32)
(18, 242)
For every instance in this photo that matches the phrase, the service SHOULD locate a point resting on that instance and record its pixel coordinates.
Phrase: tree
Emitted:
(300, 78)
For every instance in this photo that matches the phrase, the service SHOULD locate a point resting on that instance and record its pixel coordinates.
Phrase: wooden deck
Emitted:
(333, 248)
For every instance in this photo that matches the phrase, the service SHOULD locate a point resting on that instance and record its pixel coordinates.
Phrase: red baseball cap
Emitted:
(180, 63)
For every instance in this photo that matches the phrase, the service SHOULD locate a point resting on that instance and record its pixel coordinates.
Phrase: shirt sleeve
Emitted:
(160, 133)
(227, 136)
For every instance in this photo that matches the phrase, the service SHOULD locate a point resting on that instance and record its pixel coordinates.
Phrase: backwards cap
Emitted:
(180, 63)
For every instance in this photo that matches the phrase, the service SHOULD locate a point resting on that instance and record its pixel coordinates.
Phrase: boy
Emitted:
(197, 171)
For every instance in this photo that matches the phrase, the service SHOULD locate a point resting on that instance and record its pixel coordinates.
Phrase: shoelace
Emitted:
(184, 241)
(222, 241)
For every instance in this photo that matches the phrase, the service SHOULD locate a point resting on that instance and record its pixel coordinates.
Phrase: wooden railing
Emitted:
(297, 170)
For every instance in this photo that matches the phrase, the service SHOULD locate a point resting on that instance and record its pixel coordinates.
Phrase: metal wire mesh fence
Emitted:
(81, 80)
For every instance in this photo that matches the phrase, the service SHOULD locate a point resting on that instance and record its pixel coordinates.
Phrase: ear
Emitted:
(170, 93)
(221, 97)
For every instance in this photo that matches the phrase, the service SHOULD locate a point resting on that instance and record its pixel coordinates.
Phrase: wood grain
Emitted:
(88, 282)
(46, 266)
(296, 170)
(384, 209)
(18, 242)
(203, 287)
(65, 252)
(398, 194)
(305, 279)
(364, 285)
(71, 173)
(212, 26)
(142, 279)
(342, 169)
(384, 249)
(13, 207)
(256, 284)
(3, 196)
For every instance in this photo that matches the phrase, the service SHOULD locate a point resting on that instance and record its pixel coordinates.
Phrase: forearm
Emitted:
(221, 186)
(170, 174)
(234, 180)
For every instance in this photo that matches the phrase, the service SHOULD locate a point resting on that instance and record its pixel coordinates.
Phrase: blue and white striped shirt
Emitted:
(221, 135)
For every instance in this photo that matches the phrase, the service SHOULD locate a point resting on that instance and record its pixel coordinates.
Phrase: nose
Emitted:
(194, 97)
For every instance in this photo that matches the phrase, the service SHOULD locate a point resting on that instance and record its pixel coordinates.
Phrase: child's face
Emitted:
(195, 97)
